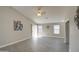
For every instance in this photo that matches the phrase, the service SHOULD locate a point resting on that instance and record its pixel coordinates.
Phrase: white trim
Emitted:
(66, 20)
(11, 43)
(53, 36)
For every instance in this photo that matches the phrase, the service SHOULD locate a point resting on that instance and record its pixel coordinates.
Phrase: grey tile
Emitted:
(44, 44)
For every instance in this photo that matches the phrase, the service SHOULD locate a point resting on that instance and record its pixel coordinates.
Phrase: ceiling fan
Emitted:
(39, 11)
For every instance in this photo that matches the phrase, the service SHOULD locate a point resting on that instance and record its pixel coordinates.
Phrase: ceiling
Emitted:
(53, 13)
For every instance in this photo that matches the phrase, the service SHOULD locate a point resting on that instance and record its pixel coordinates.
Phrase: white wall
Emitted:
(74, 33)
(50, 32)
(7, 33)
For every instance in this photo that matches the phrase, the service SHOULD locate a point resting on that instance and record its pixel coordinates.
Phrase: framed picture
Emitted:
(18, 26)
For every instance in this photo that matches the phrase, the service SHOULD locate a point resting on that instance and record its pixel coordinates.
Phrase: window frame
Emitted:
(56, 29)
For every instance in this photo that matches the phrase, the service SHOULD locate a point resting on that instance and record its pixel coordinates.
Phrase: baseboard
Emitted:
(11, 43)
(53, 36)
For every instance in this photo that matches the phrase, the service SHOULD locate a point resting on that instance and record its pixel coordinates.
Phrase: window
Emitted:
(39, 28)
(56, 29)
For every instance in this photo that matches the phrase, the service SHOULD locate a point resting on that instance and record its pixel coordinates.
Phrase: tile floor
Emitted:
(44, 44)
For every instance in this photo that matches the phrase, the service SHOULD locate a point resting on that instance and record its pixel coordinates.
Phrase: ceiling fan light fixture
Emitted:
(39, 11)
(39, 14)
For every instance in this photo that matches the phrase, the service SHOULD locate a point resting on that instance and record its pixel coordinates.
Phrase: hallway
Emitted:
(38, 45)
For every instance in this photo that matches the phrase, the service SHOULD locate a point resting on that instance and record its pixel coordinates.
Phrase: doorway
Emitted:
(67, 32)
(34, 31)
